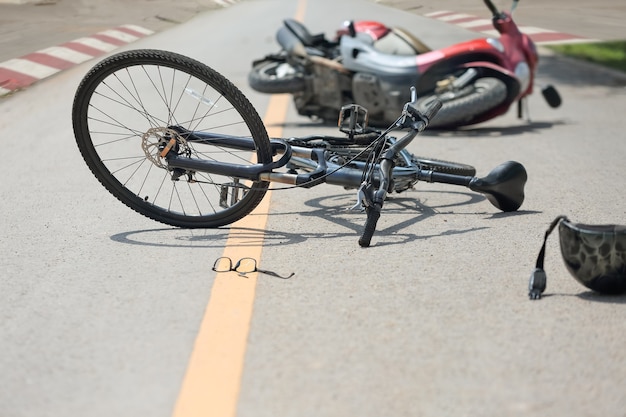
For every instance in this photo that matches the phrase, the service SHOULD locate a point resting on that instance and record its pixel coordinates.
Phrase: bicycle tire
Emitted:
(446, 167)
(265, 78)
(126, 105)
(483, 95)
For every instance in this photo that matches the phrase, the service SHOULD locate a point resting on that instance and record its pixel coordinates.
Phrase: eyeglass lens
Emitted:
(243, 266)
(223, 265)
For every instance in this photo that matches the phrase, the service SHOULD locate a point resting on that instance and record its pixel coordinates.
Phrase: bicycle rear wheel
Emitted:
(130, 105)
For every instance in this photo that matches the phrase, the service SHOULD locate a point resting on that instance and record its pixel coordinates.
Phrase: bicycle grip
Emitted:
(432, 109)
(373, 214)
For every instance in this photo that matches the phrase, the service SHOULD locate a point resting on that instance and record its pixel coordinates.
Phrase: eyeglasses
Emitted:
(242, 267)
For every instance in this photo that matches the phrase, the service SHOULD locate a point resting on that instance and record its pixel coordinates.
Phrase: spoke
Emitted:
(109, 142)
(165, 177)
(193, 196)
(208, 111)
(136, 96)
(175, 194)
(156, 88)
(124, 103)
(180, 96)
(132, 174)
(104, 122)
(132, 101)
(145, 179)
(207, 197)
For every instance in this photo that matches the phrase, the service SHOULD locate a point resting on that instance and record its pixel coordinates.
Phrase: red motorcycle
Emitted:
(373, 65)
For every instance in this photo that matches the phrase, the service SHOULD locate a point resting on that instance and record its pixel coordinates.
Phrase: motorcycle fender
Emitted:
(491, 69)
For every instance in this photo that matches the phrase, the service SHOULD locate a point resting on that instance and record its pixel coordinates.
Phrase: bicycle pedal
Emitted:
(353, 119)
(232, 190)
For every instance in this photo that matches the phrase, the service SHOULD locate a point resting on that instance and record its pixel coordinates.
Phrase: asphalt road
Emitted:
(104, 312)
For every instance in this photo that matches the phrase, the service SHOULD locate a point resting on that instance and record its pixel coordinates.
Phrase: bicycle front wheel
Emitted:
(130, 106)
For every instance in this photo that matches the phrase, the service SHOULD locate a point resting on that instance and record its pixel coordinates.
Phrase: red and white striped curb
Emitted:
(477, 24)
(21, 72)
(225, 3)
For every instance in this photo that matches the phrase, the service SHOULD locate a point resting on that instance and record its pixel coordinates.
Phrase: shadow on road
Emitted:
(483, 132)
(469, 131)
(349, 224)
(591, 296)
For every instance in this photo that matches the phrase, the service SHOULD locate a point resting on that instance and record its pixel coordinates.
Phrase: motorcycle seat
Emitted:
(418, 46)
(399, 42)
(360, 56)
(303, 34)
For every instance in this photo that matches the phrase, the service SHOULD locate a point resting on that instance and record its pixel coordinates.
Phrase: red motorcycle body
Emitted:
(374, 65)
(512, 58)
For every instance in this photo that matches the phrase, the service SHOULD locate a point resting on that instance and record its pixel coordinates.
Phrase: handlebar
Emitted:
(432, 110)
(414, 118)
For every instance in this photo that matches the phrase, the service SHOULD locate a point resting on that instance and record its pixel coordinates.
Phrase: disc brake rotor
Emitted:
(159, 141)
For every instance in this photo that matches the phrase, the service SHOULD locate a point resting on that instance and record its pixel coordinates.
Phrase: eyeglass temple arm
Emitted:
(274, 274)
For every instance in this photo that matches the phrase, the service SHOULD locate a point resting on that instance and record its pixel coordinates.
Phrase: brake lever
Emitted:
(406, 109)
(362, 199)
(418, 120)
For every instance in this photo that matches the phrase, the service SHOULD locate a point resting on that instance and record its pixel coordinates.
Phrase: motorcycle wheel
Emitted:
(461, 107)
(275, 77)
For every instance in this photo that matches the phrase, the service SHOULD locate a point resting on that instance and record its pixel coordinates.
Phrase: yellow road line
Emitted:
(211, 384)
(213, 379)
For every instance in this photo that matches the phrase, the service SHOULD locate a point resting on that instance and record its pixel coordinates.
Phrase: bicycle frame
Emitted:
(353, 174)
(503, 187)
(310, 159)
(165, 151)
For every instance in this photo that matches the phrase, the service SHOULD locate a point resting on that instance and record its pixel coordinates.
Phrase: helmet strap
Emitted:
(537, 282)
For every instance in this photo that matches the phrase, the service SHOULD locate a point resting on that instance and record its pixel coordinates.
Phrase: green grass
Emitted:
(609, 54)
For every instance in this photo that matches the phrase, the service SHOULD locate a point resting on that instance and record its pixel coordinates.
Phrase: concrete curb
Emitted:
(18, 73)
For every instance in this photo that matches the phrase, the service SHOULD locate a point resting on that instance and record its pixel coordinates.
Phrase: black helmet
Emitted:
(595, 255)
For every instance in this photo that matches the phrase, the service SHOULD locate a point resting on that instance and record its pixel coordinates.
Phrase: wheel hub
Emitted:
(158, 142)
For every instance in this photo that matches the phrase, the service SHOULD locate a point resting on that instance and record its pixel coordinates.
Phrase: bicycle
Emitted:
(177, 142)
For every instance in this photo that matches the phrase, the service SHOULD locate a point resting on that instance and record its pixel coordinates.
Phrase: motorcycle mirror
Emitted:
(494, 11)
(349, 24)
(552, 96)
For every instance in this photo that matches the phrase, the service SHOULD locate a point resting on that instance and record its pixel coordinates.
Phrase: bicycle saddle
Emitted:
(503, 186)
